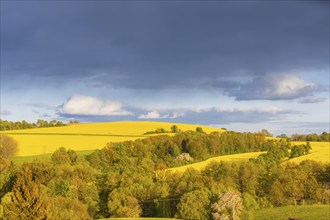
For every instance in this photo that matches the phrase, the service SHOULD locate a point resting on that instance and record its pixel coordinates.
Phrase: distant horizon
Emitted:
(174, 123)
(242, 65)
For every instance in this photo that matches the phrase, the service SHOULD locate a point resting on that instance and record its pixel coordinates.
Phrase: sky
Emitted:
(240, 65)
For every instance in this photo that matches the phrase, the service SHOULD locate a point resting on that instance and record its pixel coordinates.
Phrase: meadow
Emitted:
(305, 212)
(89, 136)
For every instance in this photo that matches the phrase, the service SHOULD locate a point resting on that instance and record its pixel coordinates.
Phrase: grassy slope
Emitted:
(232, 157)
(82, 137)
(320, 152)
(306, 212)
(136, 218)
(43, 157)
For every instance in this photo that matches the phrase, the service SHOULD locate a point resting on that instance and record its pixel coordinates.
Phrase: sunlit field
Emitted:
(305, 212)
(80, 137)
(320, 152)
(226, 158)
(114, 128)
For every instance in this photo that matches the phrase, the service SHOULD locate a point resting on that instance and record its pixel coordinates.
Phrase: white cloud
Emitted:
(87, 105)
(156, 114)
(150, 115)
(270, 109)
(274, 87)
(290, 85)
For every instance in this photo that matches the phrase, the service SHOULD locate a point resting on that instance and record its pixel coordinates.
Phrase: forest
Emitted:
(131, 179)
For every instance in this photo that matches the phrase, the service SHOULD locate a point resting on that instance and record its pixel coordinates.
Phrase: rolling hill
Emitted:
(320, 152)
(89, 136)
(226, 158)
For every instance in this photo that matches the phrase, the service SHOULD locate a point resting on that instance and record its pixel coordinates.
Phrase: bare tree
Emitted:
(228, 207)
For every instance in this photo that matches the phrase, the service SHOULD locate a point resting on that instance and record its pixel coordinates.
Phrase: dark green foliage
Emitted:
(60, 187)
(311, 137)
(63, 156)
(265, 132)
(199, 129)
(300, 150)
(10, 125)
(276, 152)
(283, 136)
(7, 179)
(8, 148)
(67, 208)
(28, 199)
(121, 204)
(157, 131)
(174, 129)
(194, 205)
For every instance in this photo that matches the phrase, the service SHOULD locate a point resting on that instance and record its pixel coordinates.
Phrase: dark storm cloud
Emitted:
(157, 45)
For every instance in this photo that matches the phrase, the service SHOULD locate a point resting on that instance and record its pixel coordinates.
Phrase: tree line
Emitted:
(130, 179)
(18, 125)
(324, 136)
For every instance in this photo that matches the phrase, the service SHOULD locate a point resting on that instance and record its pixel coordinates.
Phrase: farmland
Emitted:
(81, 137)
(320, 152)
(128, 179)
(226, 158)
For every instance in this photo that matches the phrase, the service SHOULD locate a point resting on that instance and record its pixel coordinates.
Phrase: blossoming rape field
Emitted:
(320, 152)
(89, 136)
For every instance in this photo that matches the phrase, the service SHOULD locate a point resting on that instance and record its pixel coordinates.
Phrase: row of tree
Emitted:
(130, 179)
(324, 136)
(174, 129)
(10, 125)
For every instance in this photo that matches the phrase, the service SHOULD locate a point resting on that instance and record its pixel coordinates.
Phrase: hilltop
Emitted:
(89, 136)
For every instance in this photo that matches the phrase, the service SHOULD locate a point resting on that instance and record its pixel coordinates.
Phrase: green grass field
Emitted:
(137, 218)
(305, 212)
(43, 157)
(89, 136)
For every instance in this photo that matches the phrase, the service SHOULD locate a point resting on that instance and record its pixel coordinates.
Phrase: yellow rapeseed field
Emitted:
(42, 144)
(88, 136)
(320, 152)
(114, 128)
(226, 158)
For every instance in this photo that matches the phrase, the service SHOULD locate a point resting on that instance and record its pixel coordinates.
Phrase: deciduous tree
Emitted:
(194, 205)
